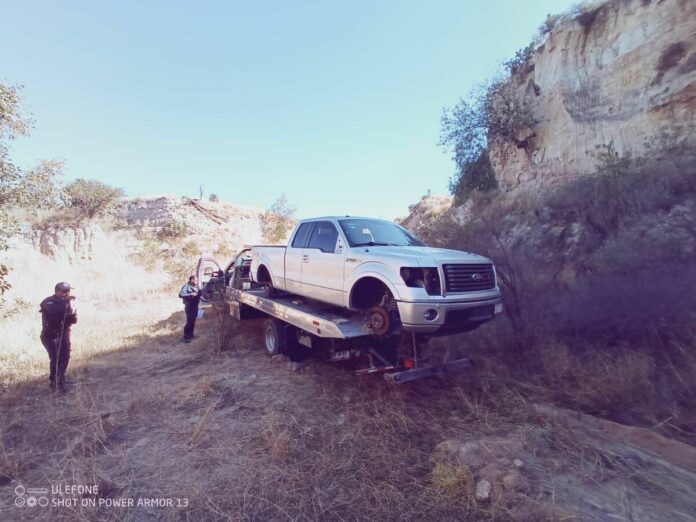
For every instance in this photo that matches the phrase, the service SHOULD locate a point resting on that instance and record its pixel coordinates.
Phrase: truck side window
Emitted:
(324, 237)
(300, 239)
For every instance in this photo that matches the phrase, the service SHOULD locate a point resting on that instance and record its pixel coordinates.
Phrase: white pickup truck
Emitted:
(379, 267)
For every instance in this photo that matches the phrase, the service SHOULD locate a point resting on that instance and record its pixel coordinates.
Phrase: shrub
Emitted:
(172, 231)
(190, 249)
(477, 175)
(521, 58)
(224, 251)
(92, 197)
(495, 111)
(548, 25)
(586, 13)
(278, 220)
(149, 254)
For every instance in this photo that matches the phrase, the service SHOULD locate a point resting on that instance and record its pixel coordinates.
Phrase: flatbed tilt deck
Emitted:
(342, 336)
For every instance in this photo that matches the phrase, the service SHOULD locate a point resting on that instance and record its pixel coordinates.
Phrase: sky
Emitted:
(335, 104)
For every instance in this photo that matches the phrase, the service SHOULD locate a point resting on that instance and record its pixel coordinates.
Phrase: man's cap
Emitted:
(63, 287)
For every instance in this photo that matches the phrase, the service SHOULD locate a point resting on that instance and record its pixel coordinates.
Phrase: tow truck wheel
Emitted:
(275, 337)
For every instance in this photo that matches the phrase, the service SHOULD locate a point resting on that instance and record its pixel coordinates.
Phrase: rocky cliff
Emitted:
(198, 216)
(623, 73)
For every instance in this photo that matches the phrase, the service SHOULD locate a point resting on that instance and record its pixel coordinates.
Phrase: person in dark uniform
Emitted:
(190, 294)
(57, 317)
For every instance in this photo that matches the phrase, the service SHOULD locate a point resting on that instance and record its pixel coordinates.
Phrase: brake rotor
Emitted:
(378, 320)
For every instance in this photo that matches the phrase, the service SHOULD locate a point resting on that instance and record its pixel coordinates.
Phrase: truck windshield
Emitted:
(372, 232)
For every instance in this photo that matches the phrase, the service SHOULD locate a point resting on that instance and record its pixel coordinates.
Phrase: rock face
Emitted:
(623, 74)
(72, 243)
(423, 214)
(198, 216)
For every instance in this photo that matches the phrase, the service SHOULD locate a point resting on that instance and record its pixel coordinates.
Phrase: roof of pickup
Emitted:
(323, 218)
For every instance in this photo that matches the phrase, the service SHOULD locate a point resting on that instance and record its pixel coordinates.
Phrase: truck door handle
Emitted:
(305, 258)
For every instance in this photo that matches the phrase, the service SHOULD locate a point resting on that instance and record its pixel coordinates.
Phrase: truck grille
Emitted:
(469, 278)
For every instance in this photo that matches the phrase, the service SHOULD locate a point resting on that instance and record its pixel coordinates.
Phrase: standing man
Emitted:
(57, 316)
(190, 294)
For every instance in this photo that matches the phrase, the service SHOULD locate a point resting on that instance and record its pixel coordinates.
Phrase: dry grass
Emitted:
(241, 438)
(100, 329)
(278, 437)
(237, 436)
(455, 480)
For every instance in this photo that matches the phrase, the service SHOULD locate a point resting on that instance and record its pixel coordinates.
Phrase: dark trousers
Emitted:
(191, 315)
(59, 355)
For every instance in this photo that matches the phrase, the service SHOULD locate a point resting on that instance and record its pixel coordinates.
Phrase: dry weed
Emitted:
(278, 437)
(453, 479)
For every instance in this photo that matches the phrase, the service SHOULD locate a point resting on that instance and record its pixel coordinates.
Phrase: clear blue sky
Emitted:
(336, 104)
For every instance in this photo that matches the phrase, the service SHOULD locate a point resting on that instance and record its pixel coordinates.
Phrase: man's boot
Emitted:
(61, 384)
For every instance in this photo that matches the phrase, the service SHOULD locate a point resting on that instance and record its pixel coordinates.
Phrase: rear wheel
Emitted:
(275, 335)
(268, 290)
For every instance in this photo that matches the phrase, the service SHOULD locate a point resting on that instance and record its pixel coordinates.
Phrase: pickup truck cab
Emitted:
(377, 266)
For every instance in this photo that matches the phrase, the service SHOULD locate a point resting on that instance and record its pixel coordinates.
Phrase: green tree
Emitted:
(495, 111)
(477, 175)
(92, 197)
(278, 220)
(35, 188)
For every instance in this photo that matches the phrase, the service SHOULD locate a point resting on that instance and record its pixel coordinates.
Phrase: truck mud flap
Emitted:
(429, 371)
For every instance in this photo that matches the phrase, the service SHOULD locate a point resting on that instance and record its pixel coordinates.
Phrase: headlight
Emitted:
(427, 278)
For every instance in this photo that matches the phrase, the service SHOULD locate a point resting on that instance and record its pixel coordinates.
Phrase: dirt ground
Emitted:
(188, 432)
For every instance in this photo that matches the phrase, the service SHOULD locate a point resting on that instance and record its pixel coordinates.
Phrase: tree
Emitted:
(35, 188)
(477, 175)
(278, 220)
(92, 197)
(495, 111)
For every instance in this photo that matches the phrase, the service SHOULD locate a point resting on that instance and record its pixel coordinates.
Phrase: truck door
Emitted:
(210, 278)
(293, 258)
(323, 261)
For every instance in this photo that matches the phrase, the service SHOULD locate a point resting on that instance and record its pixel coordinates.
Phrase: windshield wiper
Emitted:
(374, 243)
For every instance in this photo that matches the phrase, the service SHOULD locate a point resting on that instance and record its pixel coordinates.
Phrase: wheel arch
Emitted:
(263, 273)
(367, 278)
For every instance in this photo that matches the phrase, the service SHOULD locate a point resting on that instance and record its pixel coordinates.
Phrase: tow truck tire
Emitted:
(275, 336)
(268, 290)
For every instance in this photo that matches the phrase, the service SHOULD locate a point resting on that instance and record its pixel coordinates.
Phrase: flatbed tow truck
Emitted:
(295, 323)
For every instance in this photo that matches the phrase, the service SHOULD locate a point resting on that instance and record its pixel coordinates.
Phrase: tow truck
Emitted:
(294, 324)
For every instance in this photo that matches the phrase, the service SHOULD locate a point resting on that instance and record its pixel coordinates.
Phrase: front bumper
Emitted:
(453, 317)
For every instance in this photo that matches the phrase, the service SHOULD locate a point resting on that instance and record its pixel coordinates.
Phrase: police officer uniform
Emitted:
(57, 316)
(190, 294)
